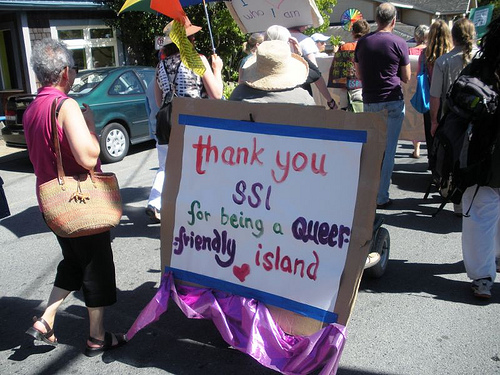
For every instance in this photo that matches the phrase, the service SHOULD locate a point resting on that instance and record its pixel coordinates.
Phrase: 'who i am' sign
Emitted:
(266, 210)
(257, 15)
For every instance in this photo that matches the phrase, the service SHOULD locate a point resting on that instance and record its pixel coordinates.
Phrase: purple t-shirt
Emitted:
(380, 56)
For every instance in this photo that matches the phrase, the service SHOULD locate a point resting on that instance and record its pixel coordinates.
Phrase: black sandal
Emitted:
(39, 335)
(104, 345)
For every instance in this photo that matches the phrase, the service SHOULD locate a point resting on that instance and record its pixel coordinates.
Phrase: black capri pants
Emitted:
(88, 264)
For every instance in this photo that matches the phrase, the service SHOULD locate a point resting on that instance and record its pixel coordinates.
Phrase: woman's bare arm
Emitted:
(78, 126)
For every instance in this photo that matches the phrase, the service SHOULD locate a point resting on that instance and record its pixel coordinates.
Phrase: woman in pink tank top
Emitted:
(87, 262)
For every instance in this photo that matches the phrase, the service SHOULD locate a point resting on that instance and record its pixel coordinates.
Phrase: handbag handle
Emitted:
(57, 146)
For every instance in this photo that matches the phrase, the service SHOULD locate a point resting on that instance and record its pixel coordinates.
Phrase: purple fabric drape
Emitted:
(247, 325)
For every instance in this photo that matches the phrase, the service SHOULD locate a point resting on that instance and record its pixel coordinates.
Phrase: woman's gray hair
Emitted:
(49, 57)
(421, 33)
(277, 32)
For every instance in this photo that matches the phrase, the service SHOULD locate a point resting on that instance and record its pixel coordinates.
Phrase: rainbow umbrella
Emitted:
(171, 8)
(146, 5)
(350, 16)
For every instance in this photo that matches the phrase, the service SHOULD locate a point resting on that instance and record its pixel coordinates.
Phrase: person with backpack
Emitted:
(481, 227)
(439, 42)
(448, 66)
(171, 73)
(446, 70)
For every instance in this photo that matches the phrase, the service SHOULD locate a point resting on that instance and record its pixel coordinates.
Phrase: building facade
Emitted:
(79, 23)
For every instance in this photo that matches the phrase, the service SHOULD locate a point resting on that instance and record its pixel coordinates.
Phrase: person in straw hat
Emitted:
(274, 75)
(187, 84)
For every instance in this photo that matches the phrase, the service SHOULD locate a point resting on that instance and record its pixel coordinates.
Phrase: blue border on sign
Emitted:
(357, 136)
(268, 298)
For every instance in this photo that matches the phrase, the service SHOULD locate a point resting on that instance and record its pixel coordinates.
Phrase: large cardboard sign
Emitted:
(413, 123)
(267, 209)
(257, 15)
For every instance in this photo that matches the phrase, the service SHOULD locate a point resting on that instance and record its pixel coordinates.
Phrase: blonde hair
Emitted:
(463, 34)
(254, 40)
(439, 41)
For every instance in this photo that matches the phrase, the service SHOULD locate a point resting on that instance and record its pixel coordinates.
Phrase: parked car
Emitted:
(116, 95)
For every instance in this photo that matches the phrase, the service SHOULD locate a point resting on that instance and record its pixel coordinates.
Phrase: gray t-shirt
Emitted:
(446, 70)
(296, 95)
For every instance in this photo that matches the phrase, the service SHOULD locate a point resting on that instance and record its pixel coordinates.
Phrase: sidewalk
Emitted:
(10, 153)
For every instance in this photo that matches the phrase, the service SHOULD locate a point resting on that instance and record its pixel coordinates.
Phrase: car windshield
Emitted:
(85, 82)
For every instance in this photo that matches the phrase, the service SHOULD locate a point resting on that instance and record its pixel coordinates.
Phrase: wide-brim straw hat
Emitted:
(190, 30)
(274, 67)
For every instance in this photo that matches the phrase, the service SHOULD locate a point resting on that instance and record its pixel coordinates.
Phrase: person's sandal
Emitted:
(104, 345)
(39, 335)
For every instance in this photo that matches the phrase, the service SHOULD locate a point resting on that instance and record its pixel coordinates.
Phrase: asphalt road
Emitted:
(419, 318)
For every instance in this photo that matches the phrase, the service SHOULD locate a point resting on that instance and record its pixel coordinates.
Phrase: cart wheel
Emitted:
(382, 245)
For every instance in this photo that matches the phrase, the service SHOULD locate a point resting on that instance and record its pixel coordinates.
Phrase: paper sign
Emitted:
(481, 17)
(266, 210)
(258, 15)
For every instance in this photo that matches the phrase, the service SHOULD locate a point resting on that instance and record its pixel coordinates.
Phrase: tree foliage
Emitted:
(325, 7)
(495, 3)
(137, 31)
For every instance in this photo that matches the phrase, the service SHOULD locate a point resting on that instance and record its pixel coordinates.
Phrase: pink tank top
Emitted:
(37, 130)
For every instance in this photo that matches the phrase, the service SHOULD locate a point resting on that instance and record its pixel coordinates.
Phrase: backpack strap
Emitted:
(473, 197)
(440, 208)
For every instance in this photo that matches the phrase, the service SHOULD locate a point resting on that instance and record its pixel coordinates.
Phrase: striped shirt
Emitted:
(187, 83)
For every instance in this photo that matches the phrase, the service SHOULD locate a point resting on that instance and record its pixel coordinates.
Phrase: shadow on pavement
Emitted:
(16, 162)
(417, 215)
(134, 222)
(416, 278)
(168, 344)
(175, 345)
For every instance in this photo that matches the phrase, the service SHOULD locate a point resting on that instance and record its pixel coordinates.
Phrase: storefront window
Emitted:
(79, 57)
(103, 56)
(93, 46)
(70, 34)
(101, 33)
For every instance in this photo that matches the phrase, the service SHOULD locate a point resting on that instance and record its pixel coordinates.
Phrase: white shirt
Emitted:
(307, 44)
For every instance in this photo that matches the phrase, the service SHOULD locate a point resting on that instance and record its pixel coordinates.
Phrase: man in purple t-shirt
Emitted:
(382, 63)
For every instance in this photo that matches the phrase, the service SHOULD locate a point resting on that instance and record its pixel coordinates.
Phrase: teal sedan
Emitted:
(116, 95)
(117, 98)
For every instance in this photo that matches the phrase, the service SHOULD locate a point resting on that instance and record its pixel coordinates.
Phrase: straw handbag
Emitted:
(82, 205)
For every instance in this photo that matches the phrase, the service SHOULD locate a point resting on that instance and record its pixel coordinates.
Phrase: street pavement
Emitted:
(419, 318)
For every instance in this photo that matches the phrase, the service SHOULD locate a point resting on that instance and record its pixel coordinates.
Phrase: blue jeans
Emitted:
(396, 114)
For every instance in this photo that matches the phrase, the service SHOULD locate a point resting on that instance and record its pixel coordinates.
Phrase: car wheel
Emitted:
(114, 143)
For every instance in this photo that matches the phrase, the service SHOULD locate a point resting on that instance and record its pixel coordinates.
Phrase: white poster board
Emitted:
(266, 210)
(257, 15)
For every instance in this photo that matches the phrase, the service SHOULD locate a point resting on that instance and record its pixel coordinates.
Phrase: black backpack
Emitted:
(466, 137)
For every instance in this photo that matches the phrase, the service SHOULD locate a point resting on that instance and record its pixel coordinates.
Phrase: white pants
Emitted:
(155, 194)
(481, 231)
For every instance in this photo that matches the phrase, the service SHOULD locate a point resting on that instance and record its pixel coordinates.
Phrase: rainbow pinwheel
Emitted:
(350, 16)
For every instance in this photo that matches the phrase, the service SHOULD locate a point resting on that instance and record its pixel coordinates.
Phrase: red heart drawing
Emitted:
(241, 272)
